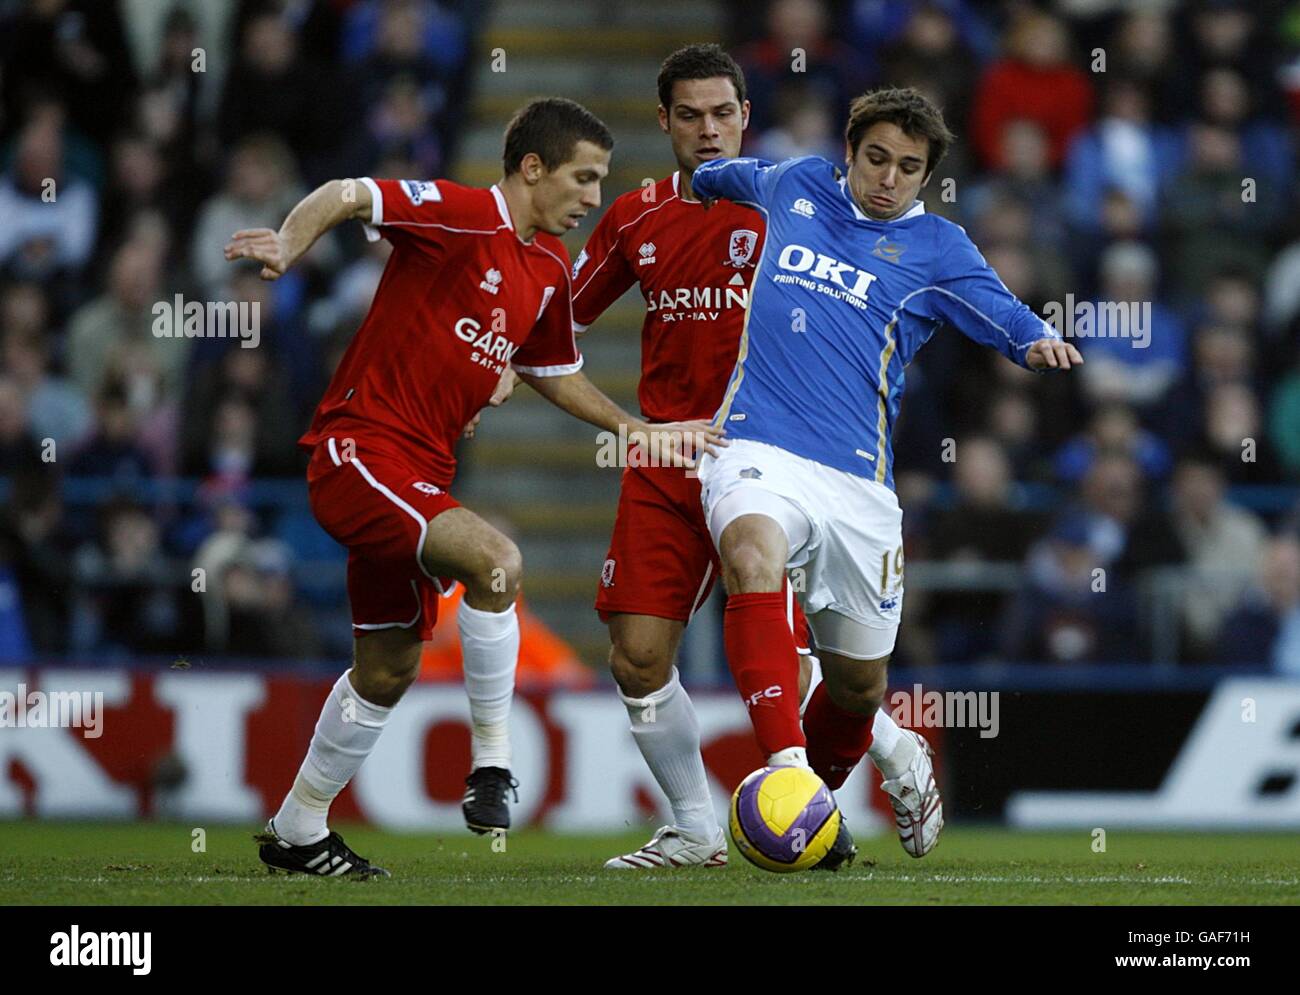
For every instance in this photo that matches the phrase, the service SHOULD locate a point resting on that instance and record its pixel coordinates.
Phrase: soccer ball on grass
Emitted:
(784, 818)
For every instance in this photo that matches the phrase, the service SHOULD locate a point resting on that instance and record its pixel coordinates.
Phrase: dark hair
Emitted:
(552, 127)
(908, 108)
(698, 62)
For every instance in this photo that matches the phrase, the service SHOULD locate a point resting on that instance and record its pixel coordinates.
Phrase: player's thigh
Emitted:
(460, 544)
(753, 549)
(384, 663)
(642, 651)
(751, 504)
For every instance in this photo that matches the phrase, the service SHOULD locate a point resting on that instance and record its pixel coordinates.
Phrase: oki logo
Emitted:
(773, 692)
(801, 259)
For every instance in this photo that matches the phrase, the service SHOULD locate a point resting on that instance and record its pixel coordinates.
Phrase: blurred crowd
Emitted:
(135, 138)
(1109, 152)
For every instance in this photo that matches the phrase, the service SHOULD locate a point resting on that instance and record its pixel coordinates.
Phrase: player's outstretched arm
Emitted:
(682, 443)
(324, 208)
(745, 180)
(972, 298)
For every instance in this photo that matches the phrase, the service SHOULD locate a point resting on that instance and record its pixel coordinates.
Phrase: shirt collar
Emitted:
(677, 176)
(504, 210)
(917, 208)
(500, 198)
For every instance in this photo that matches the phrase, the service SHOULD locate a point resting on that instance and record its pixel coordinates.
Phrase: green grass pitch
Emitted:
(126, 864)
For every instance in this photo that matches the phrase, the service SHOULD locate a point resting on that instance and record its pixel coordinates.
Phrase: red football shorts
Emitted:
(379, 508)
(661, 559)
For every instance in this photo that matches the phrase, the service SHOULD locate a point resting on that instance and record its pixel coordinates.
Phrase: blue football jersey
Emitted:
(839, 305)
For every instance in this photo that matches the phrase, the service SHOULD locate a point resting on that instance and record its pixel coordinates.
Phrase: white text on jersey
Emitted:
(699, 303)
(490, 349)
(818, 266)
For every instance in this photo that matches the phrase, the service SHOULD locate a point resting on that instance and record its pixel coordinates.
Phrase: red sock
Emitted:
(763, 661)
(837, 739)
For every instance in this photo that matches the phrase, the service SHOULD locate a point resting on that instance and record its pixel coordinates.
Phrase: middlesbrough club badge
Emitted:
(741, 247)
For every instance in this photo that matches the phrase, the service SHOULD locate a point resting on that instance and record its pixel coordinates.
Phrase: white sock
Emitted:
(890, 750)
(814, 678)
(668, 735)
(489, 645)
(791, 756)
(346, 732)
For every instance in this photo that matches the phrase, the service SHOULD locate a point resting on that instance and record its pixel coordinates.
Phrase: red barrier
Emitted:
(224, 746)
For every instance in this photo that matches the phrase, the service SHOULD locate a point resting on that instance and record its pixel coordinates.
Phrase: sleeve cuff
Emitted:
(371, 228)
(549, 371)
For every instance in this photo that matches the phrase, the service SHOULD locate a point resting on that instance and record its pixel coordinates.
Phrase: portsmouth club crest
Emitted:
(885, 249)
(740, 247)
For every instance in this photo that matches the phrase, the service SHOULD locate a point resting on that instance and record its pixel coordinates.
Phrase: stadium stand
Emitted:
(129, 460)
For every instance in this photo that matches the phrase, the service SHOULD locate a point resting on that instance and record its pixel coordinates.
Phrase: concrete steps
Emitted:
(532, 464)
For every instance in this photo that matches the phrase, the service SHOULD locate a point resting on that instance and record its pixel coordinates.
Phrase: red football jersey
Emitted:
(460, 298)
(695, 268)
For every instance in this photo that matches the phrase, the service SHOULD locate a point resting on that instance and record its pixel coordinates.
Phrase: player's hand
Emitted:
(505, 388)
(1052, 354)
(473, 424)
(683, 443)
(263, 245)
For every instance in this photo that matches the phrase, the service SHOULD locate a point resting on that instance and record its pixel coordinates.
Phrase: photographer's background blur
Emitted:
(1109, 152)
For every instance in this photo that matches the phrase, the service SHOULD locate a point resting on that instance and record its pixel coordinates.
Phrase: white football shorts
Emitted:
(845, 534)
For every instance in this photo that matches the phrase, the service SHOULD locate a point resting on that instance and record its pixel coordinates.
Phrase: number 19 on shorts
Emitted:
(891, 569)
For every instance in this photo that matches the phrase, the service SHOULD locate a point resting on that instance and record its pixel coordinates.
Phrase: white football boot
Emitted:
(918, 809)
(669, 848)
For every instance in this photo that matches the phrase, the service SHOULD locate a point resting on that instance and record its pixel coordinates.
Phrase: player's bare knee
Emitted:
(748, 568)
(753, 552)
(859, 688)
(383, 686)
(639, 669)
(857, 700)
(493, 584)
(385, 664)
